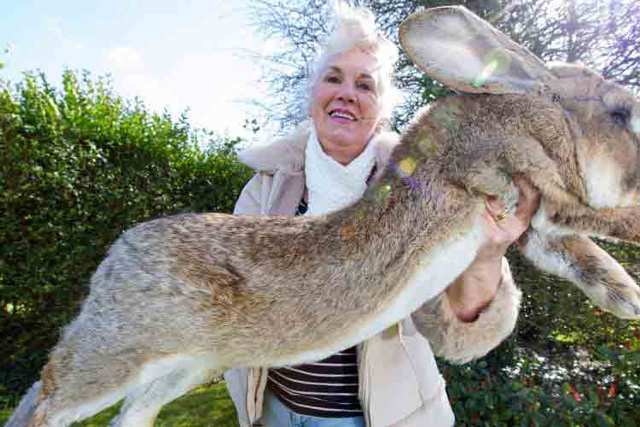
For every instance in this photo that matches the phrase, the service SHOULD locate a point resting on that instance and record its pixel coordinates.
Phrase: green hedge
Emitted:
(77, 167)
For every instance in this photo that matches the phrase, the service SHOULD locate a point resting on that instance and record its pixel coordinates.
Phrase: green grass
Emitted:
(203, 407)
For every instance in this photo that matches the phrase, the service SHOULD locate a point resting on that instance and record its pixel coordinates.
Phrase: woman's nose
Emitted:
(347, 93)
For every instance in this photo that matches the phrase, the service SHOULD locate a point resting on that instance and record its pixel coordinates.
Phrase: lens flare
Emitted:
(407, 166)
(496, 62)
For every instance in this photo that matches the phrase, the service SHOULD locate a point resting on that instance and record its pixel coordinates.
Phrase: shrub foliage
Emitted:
(77, 167)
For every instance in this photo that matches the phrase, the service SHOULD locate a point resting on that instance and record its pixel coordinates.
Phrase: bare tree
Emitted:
(600, 34)
(622, 51)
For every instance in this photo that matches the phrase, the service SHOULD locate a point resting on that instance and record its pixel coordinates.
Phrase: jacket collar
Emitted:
(287, 153)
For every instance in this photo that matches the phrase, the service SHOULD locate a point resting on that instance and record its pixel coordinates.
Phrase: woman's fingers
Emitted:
(529, 199)
(494, 205)
(504, 227)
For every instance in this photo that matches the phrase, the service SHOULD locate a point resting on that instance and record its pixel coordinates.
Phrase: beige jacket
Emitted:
(400, 385)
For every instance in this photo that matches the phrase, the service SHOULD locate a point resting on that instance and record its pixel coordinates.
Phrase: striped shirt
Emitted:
(328, 388)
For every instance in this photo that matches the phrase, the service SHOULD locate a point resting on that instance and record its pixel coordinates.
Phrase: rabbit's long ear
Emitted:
(456, 47)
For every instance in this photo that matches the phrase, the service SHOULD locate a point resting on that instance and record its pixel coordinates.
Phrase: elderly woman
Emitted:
(324, 165)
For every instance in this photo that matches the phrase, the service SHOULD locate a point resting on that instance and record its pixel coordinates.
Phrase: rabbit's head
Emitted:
(604, 120)
(600, 118)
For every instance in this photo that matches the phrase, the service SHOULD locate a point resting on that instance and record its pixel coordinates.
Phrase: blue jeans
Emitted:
(276, 414)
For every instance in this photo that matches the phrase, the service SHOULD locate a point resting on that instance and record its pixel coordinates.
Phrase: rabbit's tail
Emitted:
(27, 407)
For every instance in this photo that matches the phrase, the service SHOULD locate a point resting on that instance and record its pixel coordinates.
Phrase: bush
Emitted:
(77, 167)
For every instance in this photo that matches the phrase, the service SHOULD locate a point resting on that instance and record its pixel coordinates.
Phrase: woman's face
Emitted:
(344, 102)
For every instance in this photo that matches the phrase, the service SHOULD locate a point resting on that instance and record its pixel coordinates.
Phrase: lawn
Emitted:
(203, 407)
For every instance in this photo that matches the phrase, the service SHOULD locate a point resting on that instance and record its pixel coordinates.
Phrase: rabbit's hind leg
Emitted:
(161, 382)
(54, 412)
(39, 410)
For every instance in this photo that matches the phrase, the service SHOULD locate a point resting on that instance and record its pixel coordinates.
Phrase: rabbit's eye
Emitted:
(621, 116)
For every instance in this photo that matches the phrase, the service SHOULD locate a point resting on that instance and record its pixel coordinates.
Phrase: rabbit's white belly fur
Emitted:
(434, 273)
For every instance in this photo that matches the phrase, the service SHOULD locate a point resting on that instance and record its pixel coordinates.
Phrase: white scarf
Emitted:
(330, 185)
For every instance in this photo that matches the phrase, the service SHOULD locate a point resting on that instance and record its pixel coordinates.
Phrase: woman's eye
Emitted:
(332, 79)
(620, 116)
(365, 86)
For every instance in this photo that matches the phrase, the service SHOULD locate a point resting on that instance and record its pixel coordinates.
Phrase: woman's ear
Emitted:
(467, 54)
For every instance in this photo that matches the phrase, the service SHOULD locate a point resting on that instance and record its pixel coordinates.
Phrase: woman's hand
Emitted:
(476, 287)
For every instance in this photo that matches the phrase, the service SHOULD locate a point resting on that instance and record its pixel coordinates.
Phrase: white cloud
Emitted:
(125, 59)
(211, 85)
(214, 85)
(59, 38)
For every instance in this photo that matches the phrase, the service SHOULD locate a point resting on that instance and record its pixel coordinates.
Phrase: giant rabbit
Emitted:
(180, 299)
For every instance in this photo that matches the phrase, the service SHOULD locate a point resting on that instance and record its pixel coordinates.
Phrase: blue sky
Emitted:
(176, 54)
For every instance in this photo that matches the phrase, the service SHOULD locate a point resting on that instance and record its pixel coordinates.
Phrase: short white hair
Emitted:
(356, 27)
